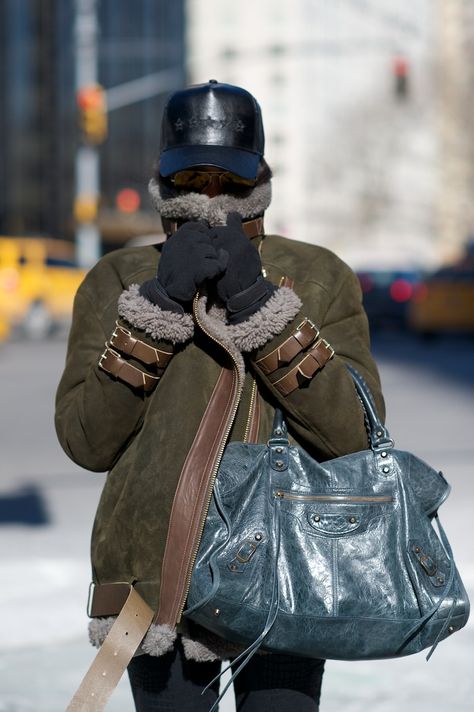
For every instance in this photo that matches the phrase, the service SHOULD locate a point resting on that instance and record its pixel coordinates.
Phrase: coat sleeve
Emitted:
(96, 413)
(325, 413)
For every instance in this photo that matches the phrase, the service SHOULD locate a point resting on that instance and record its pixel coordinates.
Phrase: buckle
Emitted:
(312, 325)
(90, 597)
(112, 351)
(104, 354)
(329, 347)
(385, 444)
(244, 554)
(122, 328)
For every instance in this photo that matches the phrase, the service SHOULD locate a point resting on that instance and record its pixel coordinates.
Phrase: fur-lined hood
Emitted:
(179, 204)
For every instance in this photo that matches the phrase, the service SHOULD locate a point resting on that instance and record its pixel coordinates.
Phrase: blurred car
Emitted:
(38, 281)
(4, 329)
(444, 301)
(386, 296)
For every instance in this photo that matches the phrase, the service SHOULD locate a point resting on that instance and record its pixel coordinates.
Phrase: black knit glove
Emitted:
(241, 286)
(188, 258)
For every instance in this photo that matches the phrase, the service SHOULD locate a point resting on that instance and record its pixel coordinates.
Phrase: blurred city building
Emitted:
(39, 121)
(365, 107)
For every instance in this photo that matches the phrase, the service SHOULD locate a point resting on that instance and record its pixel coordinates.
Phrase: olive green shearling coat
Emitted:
(142, 440)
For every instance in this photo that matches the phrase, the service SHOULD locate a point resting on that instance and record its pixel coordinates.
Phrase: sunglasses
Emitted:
(199, 180)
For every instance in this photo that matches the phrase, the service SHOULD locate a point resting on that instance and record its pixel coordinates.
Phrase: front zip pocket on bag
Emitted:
(369, 499)
(334, 515)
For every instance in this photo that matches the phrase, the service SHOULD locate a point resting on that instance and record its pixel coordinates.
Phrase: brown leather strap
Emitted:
(252, 228)
(107, 599)
(299, 340)
(169, 226)
(286, 282)
(112, 363)
(314, 360)
(192, 497)
(123, 341)
(114, 655)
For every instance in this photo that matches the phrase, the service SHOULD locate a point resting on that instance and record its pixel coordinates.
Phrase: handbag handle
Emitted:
(378, 434)
(379, 437)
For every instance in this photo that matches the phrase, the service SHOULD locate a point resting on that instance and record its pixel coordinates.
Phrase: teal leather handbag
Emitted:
(336, 559)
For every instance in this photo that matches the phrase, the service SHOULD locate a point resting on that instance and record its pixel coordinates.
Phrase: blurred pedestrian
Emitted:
(205, 335)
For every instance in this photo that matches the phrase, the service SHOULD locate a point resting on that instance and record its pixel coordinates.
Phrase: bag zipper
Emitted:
(376, 499)
(237, 394)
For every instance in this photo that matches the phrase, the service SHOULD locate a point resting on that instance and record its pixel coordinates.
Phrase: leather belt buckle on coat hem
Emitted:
(107, 599)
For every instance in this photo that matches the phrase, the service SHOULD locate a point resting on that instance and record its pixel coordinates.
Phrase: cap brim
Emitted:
(242, 163)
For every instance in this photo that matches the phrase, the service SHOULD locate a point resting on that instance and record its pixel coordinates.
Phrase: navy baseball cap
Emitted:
(212, 124)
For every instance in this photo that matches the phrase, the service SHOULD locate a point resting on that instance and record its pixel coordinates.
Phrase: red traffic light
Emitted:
(127, 200)
(91, 97)
(401, 68)
(401, 77)
(92, 105)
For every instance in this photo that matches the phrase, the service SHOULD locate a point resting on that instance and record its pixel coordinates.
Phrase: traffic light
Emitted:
(92, 113)
(401, 76)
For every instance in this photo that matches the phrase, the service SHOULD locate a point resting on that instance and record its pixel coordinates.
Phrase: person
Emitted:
(205, 335)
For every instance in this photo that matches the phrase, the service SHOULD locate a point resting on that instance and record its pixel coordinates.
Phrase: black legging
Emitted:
(170, 683)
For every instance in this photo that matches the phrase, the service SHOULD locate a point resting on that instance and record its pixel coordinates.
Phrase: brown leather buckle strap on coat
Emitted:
(114, 655)
(252, 228)
(112, 363)
(314, 360)
(123, 341)
(286, 281)
(306, 333)
(107, 599)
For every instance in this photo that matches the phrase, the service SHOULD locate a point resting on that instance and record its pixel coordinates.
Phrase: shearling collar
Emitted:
(179, 205)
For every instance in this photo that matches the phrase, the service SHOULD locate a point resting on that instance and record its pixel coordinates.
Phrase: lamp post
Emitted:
(94, 103)
(87, 156)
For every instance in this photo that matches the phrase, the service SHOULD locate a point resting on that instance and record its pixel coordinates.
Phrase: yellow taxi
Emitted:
(444, 301)
(38, 281)
(4, 329)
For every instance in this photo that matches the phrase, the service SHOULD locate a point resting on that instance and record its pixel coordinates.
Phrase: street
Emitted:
(47, 506)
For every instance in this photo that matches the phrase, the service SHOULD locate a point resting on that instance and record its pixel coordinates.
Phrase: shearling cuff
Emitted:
(199, 644)
(158, 323)
(158, 640)
(203, 646)
(267, 322)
